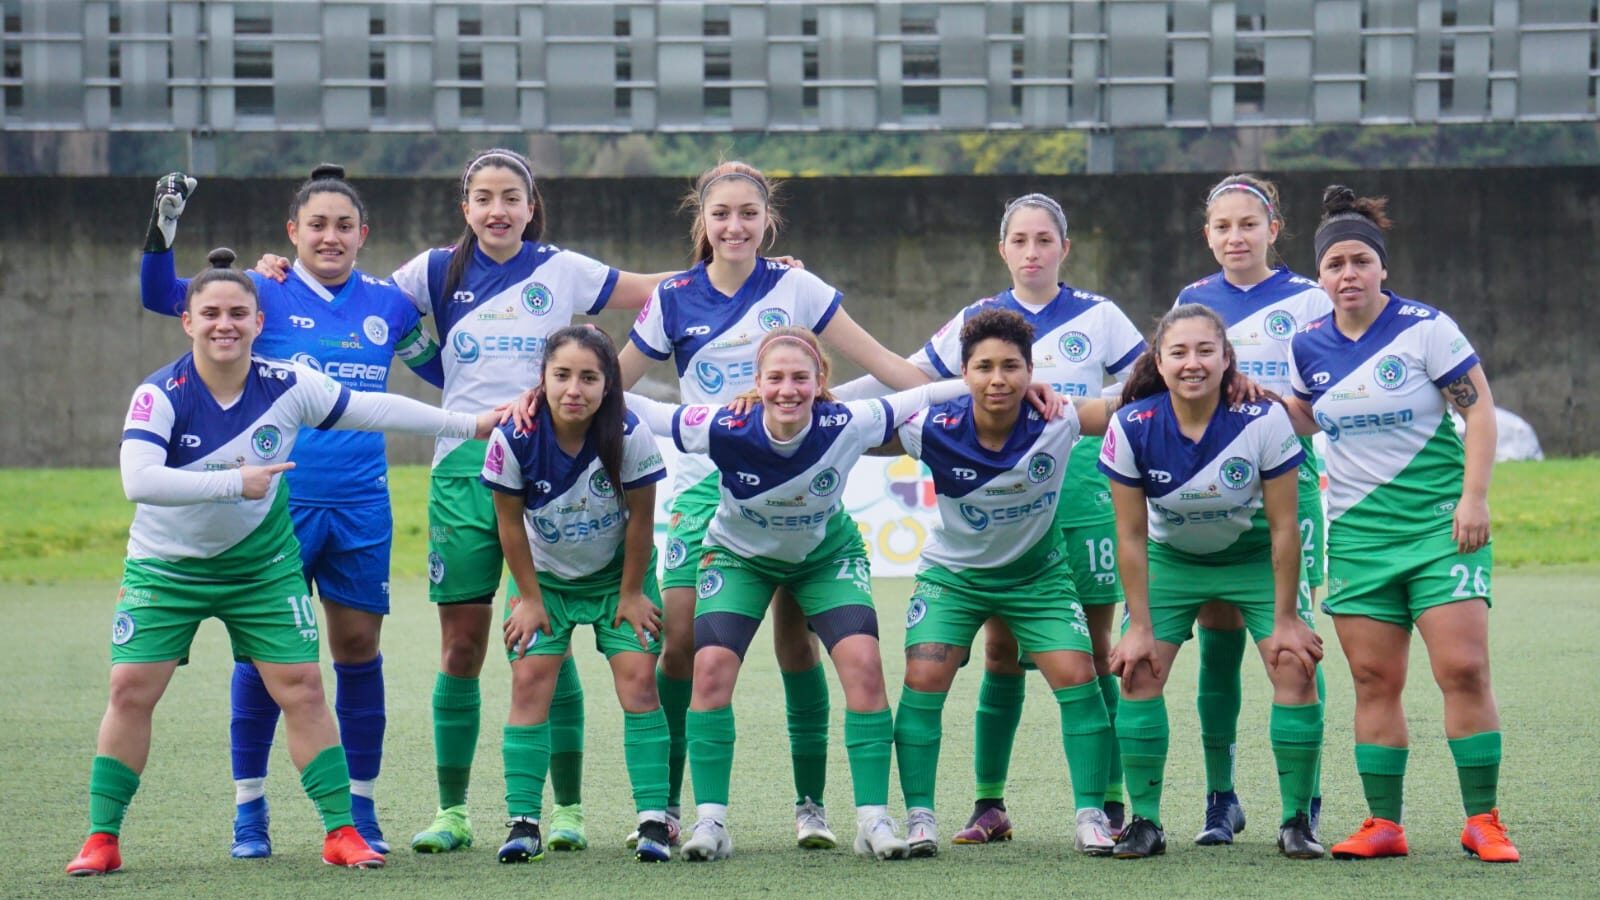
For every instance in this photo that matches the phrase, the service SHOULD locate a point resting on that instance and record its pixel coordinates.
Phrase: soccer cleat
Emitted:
(1094, 833)
(1485, 837)
(1316, 817)
(987, 825)
(922, 832)
(875, 837)
(811, 826)
(674, 831)
(708, 840)
(451, 830)
(1116, 817)
(566, 828)
(1296, 841)
(100, 856)
(1376, 838)
(522, 844)
(1140, 839)
(344, 846)
(655, 842)
(366, 818)
(1224, 819)
(250, 839)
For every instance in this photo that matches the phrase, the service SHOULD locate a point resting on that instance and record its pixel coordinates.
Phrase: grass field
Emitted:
(53, 663)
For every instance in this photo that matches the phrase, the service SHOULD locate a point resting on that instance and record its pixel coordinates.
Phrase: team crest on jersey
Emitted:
(122, 628)
(1040, 467)
(710, 583)
(975, 517)
(1075, 346)
(1390, 372)
(435, 568)
(1280, 325)
(537, 299)
(376, 329)
(1236, 472)
(915, 612)
(772, 318)
(546, 529)
(267, 441)
(600, 484)
(677, 552)
(826, 482)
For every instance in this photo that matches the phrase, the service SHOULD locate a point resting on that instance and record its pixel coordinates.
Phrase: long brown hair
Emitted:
(695, 202)
(1145, 379)
(605, 429)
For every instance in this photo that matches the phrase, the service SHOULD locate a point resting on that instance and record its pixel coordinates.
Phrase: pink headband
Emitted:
(791, 339)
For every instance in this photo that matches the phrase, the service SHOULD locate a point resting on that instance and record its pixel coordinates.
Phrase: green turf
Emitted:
(53, 662)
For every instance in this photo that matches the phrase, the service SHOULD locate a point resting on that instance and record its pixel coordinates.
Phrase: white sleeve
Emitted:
(942, 352)
(641, 460)
(905, 404)
(867, 387)
(1280, 449)
(1116, 456)
(1123, 342)
(656, 416)
(590, 282)
(649, 332)
(911, 435)
(377, 411)
(147, 479)
(1449, 354)
(412, 279)
(1297, 382)
(501, 467)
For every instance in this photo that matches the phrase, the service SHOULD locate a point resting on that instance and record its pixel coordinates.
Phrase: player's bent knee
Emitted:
(1065, 668)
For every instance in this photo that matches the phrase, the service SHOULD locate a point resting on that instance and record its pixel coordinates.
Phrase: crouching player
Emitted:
(998, 475)
(212, 536)
(575, 504)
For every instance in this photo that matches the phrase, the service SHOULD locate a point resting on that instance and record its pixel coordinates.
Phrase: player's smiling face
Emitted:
(574, 384)
(1240, 233)
(997, 375)
(735, 220)
(1352, 275)
(787, 385)
(1193, 357)
(327, 233)
(223, 320)
(1033, 249)
(497, 209)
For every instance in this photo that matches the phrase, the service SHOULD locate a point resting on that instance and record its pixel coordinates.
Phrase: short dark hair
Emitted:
(1001, 324)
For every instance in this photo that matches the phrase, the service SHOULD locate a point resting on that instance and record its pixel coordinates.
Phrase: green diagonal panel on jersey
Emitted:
(1419, 501)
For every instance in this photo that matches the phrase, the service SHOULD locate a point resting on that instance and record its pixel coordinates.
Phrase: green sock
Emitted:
(995, 730)
(1111, 693)
(1477, 759)
(644, 751)
(805, 696)
(526, 751)
(710, 733)
(1142, 736)
(326, 780)
(1383, 775)
(1084, 727)
(917, 732)
(868, 744)
(674, 703)
(566, 736)
(111, 788)
(456, 708)
(1297, 746)
(1322, 698)
(1218, 702)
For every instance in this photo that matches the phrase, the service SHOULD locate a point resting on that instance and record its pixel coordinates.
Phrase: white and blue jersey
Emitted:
(712, 337)
(494, 324)
(996, 507)
(351, 333)
(1205, 498)
(575, 518)
(1261, 319)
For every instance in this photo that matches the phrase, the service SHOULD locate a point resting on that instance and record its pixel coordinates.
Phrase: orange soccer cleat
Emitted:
(346, 847)
(101, 856)
(1377, 838)
(1485, 838)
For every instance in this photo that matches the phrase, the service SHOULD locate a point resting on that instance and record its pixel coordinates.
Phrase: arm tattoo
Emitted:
(1461, 391)
(933, 652)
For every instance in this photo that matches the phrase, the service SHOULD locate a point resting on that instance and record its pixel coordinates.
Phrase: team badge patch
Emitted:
(772, 318)
(1390, 372)
(915, 612)
(537, 299)
(1236, 472)
(435, 568)
(677, 552)
(1075, 346)
(122, 628)
(1280, 325)
(710, 583)
(267, 441)
(376, 329)
(1041, 467)
(600, 484)
(826, 482)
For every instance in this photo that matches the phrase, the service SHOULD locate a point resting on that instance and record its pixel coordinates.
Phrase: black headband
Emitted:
(1350, 227)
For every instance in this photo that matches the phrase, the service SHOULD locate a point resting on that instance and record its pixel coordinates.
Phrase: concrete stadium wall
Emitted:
(1511, 254)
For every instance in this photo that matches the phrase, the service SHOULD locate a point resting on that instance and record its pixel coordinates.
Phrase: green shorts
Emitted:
(1402, 582)
(1092, 556)
(1313, 538)
(837, 573)
(464, 559)
(691, 515)
(1179, 587)
(270, 619)
(587, 601)
(947, 608)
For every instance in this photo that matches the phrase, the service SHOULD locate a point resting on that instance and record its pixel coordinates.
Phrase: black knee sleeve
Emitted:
(725, 629)
(841, 622)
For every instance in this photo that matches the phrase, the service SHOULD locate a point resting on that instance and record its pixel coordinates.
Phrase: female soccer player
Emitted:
(1263, 307)
(998, 554)
(350, 326)
(779, 523)
(1205, 496)
(1408, 512)
(1080, 341)
(212, 536)
(575, 503)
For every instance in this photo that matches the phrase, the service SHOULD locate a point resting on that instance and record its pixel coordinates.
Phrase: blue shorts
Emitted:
(344, 551)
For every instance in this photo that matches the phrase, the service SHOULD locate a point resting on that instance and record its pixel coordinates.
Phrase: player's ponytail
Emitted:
(1145, 379)
(605, 429)
(219, 262)
(326, 178)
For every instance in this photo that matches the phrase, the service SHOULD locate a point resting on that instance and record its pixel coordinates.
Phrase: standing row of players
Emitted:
(499, 295)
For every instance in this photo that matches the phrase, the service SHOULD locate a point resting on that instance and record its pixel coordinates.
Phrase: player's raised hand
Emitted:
(172, 193)
(258, 479)
(273, 266)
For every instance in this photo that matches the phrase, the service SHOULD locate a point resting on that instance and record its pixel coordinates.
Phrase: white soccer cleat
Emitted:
(922, 833)
(708, 841)
(811, 827)
(875, 837)
(1094, 833)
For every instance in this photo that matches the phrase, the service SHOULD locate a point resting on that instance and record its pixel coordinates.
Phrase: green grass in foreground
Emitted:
(61, 525)
(53, 661)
